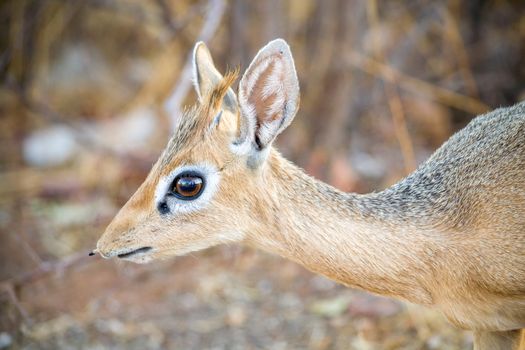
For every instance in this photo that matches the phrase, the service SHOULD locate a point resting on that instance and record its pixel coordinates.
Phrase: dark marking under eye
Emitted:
(163, 208)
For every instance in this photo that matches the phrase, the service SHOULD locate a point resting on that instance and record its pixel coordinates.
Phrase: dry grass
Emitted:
(383, 84)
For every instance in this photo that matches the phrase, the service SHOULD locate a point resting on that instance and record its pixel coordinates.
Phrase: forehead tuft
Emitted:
(188, 130)
(193, 124)
(214, 99)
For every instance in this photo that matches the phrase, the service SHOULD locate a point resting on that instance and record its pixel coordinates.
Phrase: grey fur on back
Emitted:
(479, 171)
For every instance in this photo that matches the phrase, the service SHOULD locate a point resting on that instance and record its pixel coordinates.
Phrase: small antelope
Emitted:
(450, 236)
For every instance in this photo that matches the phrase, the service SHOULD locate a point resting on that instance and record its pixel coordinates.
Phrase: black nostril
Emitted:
(136, 251)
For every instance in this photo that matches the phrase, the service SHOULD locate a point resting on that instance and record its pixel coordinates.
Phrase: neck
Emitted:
(357, 240)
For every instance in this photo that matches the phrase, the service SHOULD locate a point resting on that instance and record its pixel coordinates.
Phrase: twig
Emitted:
(400, 126)
(5, 58)
(166, 17)
(10, 285)
(416, 86)
(394, 100)
(211, 23)
(46, 268)
(82, 134)
(11, 294)
(454, 34)
(136, 12)
(28, 180)
(22, 239)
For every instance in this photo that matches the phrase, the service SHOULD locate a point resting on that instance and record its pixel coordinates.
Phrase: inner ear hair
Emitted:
(268, 95)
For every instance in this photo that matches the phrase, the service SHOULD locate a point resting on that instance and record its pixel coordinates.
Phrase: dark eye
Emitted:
(187, 186)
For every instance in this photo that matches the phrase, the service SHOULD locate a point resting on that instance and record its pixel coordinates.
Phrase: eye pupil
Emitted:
(187, 186)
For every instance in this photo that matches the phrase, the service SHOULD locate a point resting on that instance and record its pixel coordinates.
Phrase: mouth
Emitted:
(135, 252)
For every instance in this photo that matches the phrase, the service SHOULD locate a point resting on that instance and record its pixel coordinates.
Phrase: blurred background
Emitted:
(89, 93)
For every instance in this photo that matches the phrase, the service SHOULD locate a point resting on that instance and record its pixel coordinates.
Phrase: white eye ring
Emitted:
(174, 205)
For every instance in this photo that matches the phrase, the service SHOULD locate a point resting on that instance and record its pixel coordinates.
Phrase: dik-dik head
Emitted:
(206, 188)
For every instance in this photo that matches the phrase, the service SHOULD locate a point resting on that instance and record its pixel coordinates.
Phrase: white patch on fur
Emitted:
(242, 148)
(179, 206)
(216, 120)
(141, 258)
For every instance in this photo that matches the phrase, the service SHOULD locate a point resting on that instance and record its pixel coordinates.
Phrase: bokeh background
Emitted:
(89, 93)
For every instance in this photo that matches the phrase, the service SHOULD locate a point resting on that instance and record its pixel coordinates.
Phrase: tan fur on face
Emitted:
(139, 224)
(450, 236)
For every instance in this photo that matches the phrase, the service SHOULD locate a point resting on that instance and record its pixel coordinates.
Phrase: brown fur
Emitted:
(450, 236)
(215, 97)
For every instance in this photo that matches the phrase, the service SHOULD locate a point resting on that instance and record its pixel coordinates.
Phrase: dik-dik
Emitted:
(450, 236)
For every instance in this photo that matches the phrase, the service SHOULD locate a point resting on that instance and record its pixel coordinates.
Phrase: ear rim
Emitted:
(200, 46)
(249, 122)
(203, 63)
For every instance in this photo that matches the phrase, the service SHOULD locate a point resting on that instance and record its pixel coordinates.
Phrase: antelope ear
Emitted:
(206, 76)
(268, 95)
